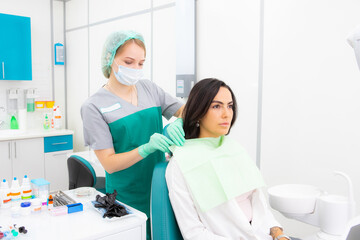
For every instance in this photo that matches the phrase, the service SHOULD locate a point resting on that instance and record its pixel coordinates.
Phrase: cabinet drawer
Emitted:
(58, 143)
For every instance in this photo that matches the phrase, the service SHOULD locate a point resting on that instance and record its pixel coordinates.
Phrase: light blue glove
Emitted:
(157, 142)
(176, 132)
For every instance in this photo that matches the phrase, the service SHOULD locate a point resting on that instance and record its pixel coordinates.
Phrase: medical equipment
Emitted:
(334, 214)
(61, 199)
(354, 41)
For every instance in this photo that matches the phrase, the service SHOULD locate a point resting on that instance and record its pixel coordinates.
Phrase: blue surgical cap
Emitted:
(112, 43)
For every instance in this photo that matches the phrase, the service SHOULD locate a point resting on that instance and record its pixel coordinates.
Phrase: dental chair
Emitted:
(163, 222)
(82, 174)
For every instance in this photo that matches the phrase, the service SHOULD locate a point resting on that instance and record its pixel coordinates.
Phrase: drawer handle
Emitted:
(60, 143)
(59, 154)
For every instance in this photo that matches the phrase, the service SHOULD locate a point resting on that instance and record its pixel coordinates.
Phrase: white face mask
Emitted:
(128, 76)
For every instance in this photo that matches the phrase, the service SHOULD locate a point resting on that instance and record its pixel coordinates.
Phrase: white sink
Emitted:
(294, 198)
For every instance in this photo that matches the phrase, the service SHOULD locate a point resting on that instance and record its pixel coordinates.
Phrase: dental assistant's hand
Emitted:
(176, 132)
(157, 142)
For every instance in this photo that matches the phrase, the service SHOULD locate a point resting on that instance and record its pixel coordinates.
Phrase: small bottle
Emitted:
(36, 205)
(50, 202)
(14, 123)
(15, 192)
(6, 194)
(46, 122)
(52, 123)
(26, 191)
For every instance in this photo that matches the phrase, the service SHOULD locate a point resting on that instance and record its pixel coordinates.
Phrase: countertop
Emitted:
(11, 134)
(87, 224)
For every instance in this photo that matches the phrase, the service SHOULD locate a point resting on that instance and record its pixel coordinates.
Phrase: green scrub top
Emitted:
(110, 122)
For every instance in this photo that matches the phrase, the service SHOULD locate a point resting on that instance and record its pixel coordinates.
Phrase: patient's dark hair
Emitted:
(199, 101)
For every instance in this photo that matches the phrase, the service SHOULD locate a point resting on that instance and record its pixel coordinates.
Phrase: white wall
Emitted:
(59, 70)
(310, 96)
(41, 47)
(228, 49)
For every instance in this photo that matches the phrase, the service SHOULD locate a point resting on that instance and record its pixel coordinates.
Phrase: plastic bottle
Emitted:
(14, 123)
(52, 123)
(57, 118)
(46, 122)
(15, 192)
(26, 191)
(50, 203)
(5, 194)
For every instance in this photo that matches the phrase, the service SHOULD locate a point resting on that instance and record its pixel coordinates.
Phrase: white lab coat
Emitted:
(226, 221)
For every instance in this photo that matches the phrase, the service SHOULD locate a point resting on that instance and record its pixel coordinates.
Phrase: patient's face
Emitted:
(218, 118)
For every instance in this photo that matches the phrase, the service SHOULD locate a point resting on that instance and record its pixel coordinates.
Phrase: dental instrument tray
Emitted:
(62, 199)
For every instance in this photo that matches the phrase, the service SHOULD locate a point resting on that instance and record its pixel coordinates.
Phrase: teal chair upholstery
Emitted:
(82, 174)
(163, 222)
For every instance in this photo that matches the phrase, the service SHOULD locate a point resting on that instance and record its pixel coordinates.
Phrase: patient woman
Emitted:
(214, 186)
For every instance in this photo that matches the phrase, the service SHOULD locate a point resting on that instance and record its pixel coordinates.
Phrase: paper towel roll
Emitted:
(22, 119)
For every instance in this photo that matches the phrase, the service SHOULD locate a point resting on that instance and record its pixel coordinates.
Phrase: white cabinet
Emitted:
(38, 157)
(56, 171)
(20, 157)
(28, 158)
(5, 160)
(56, 149)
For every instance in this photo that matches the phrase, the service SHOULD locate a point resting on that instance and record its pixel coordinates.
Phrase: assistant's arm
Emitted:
(113, 162)
(179, 112)
(186, 214)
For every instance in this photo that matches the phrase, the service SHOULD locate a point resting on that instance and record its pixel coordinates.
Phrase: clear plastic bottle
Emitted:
(5, 194)
(26, 191)
(15, 192)
(57, 118)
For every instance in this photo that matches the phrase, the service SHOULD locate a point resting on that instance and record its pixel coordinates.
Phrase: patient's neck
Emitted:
(209, 135)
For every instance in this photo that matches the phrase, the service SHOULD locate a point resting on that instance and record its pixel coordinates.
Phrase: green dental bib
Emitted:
(216, 170)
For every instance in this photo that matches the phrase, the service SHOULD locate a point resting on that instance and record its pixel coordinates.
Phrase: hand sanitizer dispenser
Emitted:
(30, 99)
(12, 96)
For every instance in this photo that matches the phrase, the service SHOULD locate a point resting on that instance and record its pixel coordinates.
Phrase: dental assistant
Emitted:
(123, 121)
